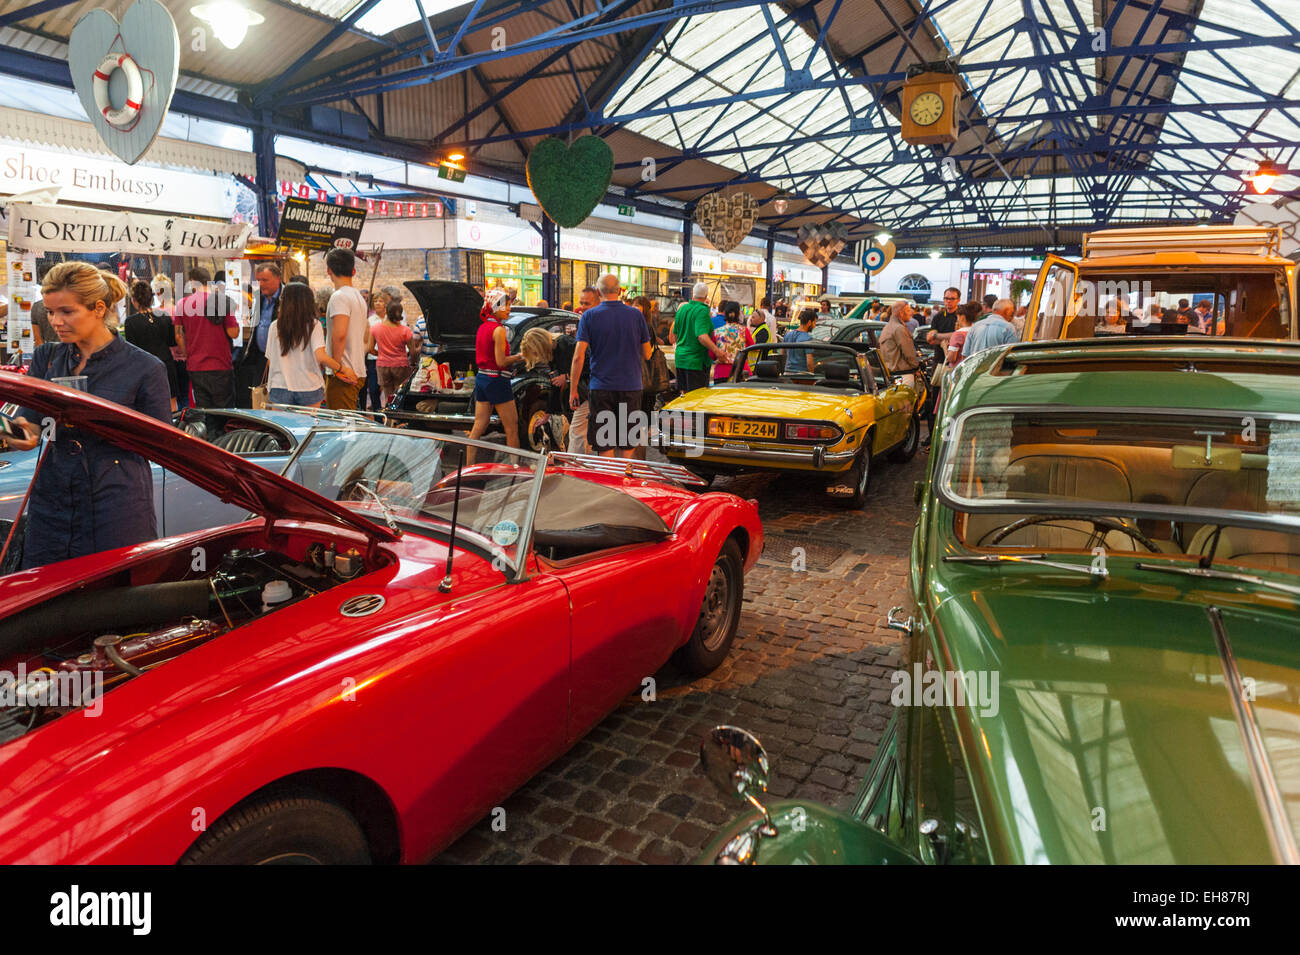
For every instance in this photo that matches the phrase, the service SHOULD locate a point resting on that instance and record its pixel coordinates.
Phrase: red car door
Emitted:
(627, 618)
(483, 711)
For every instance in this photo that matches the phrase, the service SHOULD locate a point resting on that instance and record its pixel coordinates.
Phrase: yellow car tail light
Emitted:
(811, 432)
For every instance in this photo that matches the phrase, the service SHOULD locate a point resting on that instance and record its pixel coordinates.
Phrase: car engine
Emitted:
(60, 656)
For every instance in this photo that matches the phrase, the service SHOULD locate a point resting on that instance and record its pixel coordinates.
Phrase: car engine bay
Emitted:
(61, 655)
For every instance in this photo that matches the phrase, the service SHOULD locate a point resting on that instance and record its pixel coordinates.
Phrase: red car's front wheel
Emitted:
(719, 614)
(282, 829)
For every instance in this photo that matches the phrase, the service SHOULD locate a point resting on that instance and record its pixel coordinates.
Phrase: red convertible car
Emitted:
(391, 644)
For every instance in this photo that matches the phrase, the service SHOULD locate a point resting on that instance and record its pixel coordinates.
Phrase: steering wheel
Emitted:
(1100, 525)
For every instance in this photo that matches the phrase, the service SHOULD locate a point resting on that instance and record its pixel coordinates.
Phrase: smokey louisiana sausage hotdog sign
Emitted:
(310, 224)
(42, 228)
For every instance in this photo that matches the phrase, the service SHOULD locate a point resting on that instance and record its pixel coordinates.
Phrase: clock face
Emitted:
(926, 109)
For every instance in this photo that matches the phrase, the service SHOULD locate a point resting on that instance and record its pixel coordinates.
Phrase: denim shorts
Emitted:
(493, 389)
(283, 396)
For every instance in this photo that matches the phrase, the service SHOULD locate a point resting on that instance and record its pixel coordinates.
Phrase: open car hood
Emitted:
(451, 310)
(218, 472)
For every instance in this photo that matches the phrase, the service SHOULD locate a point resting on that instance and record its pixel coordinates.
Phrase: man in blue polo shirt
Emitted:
(993, 330)
(619, 340)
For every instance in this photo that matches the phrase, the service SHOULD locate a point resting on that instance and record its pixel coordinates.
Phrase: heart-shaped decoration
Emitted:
(725, 220)
(821, 243)
(148, 37)
(569, 181)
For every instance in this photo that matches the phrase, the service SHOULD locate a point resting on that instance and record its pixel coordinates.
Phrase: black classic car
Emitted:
(451, 317)
(855, 330)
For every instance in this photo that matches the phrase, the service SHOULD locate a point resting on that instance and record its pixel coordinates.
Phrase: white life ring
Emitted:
(134, 89)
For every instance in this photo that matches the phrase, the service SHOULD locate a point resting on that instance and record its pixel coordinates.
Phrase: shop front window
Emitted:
(521, 274)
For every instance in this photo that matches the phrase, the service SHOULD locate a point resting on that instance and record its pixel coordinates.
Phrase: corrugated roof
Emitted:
(1053, 136)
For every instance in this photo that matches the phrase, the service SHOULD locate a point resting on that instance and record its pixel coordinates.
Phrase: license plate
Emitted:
(731, 428)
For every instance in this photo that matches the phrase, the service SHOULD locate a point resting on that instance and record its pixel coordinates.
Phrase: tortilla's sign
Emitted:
(310, 224)
(35, 228)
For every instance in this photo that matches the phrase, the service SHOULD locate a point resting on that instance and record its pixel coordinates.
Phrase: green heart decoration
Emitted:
(569, 181)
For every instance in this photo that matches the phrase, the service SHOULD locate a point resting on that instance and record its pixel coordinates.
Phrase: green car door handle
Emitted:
(894, 619)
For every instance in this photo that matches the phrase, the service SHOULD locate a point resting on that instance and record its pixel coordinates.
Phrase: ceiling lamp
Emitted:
(1262, 178)
(883, 237)
(780, 202)
(455, 156)
(935, 255)
(229, 20)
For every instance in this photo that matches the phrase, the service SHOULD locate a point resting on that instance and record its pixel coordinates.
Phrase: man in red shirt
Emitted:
(209, 327)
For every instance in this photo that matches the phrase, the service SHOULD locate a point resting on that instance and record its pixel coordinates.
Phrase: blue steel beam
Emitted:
(32, 10)
(624, 119)
(268, 92)
(589, 27)
(330, 89)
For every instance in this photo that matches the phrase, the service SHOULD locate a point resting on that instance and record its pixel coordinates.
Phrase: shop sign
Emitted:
(108, 182)
(700, 262)
(741, 267)
(310, 224)
(495, 237)
(77, 229)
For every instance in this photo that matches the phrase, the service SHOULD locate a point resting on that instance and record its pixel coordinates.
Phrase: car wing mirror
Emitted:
(734, 760)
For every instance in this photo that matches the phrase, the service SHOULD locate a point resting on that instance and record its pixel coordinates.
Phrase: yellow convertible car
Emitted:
(817, 408)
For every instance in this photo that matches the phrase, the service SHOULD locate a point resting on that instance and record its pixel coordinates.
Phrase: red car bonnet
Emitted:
(217, 471)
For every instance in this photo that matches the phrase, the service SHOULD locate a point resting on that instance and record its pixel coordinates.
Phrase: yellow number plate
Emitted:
(731, 428)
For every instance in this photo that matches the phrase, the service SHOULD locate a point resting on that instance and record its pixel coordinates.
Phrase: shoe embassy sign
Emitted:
(109, 182)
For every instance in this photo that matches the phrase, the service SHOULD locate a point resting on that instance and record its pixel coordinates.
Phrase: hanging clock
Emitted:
(929, 103)
(927, 108)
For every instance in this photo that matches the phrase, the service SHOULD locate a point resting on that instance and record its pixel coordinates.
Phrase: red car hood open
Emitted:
(219, 472)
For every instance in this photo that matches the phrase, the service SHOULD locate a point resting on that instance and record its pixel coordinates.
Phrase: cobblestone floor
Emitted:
(807, 673)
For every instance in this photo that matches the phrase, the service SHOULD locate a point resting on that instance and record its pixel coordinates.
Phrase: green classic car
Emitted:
(1104, 655)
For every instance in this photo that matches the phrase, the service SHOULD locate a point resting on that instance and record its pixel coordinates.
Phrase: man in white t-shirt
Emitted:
(345, 330)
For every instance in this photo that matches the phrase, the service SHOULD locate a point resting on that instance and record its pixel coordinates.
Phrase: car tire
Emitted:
(906, 449)
(860, 477)
(536, 435)
(286, 828)
(715, 628)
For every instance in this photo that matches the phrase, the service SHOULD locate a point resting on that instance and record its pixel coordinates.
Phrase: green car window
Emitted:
(1189, 483)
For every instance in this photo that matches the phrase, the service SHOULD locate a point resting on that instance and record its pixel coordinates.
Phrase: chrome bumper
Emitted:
(817, 455)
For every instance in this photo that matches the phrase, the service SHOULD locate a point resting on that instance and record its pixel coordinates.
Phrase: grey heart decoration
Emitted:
(725, 220)
(821, 243)
(148, 34)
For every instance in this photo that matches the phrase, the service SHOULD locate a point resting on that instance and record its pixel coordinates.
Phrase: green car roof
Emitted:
(1134, 372)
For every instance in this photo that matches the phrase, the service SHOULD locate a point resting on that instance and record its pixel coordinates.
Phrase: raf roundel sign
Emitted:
(875, 255)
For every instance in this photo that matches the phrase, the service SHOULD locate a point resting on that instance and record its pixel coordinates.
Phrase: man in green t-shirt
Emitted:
(693, 332)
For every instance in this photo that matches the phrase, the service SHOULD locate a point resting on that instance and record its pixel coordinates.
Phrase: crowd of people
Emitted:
(369, 349)
(343, 350)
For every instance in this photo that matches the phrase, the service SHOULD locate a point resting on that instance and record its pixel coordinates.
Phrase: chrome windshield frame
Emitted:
(515, 569)
(952, 432)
